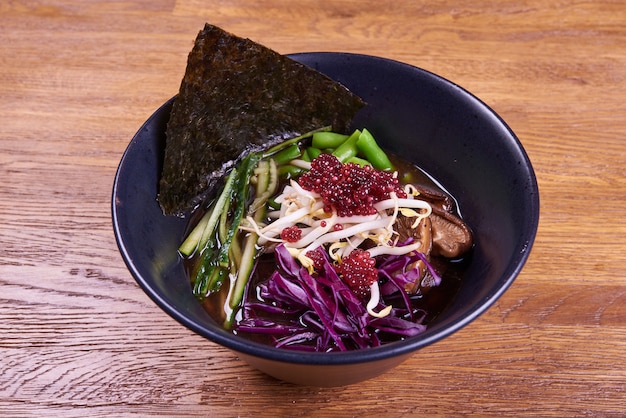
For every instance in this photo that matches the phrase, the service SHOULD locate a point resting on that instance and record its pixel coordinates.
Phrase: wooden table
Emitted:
(78, 337)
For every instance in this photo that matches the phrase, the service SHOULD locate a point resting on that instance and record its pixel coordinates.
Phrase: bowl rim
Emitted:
(399, 348)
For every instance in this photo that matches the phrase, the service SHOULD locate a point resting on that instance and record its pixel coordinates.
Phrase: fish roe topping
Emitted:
(358, 271)
(317, 257)
(291, 233)
(349, 189)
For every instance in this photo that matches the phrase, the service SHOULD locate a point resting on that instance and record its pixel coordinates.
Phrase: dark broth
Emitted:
(431, 301)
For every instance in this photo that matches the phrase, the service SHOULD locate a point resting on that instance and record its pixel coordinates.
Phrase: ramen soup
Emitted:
(314, 248)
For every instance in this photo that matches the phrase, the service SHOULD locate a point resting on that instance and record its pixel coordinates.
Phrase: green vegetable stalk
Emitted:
(348, 149)
(266, 185)
(221, 229)
(290, 153)
(367, 145)
(199, 237)
(324, 140)
(311, 153)
(270, 152)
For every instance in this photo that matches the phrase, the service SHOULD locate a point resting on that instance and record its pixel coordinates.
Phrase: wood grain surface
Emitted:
(78, 337)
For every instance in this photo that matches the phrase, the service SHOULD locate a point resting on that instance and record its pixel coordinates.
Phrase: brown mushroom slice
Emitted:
(437, 198)
(451, 236)
(421, 233)
(405, 229)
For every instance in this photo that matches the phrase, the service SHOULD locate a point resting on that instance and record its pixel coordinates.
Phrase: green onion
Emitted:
(240, 197)
(200, 240)
(204, 269)
(293, 140)
(273, 204)
(313, 153)
(359, 161)
(367, 145)
(193, 239)
(214, 256)
(265, 187)
(323, 140)
(289, 171)
(290, 153)
(348, 149)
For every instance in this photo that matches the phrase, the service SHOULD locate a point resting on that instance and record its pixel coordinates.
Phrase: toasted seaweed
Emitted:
(236, 97)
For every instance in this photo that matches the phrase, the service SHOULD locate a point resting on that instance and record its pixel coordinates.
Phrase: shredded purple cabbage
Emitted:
(302, 312)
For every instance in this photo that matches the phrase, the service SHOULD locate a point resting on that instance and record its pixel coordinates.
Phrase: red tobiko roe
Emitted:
(291, 234)
(358, 270)
(349, 189)
(317, 257)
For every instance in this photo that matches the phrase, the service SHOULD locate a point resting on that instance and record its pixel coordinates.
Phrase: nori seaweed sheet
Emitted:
(237, 97)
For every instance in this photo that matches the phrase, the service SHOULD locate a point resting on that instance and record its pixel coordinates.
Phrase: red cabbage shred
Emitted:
(319, 312)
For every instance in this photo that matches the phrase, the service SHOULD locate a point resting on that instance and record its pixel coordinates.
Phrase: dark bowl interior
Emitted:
(426, 119)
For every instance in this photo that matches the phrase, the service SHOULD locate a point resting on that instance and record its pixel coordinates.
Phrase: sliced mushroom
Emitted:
(436, 198)
(451, 236)
(421, 233)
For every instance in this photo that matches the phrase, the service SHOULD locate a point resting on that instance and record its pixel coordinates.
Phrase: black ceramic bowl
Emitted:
(424, 118)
